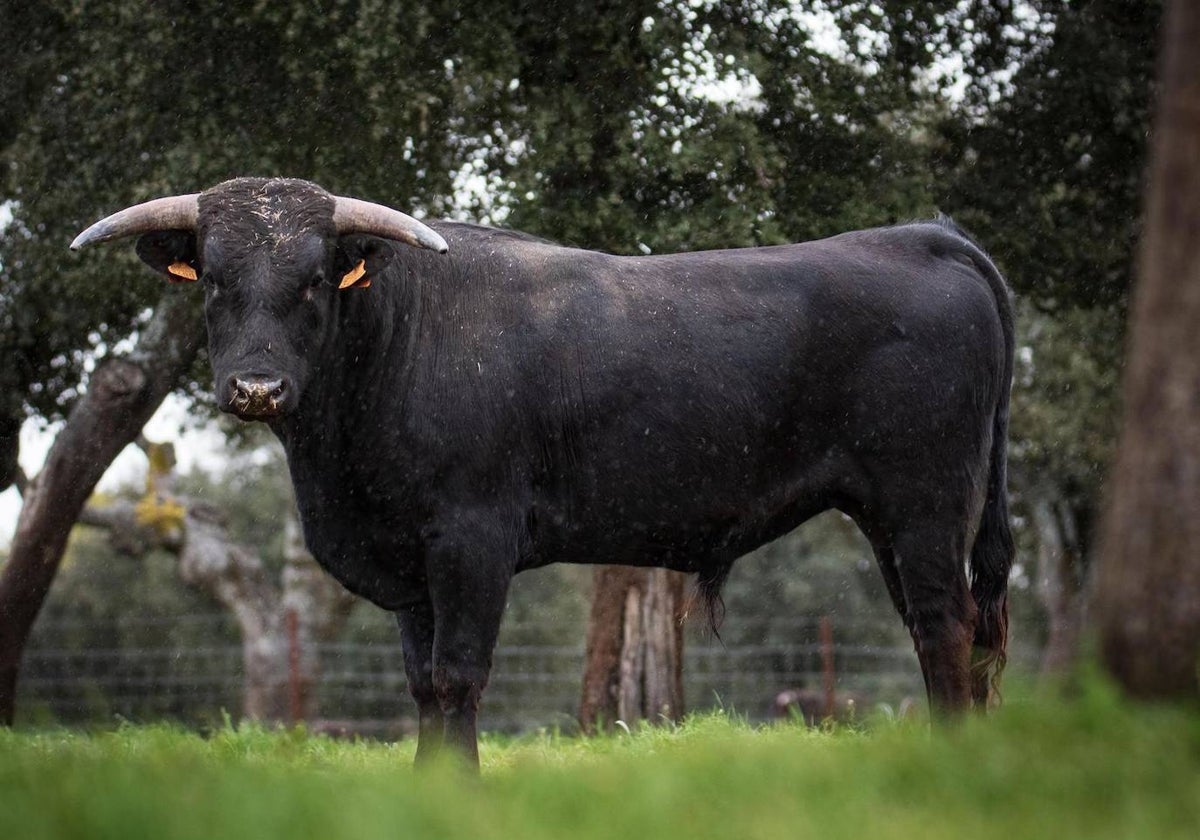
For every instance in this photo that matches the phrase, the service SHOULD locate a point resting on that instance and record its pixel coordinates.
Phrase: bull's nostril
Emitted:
(254, 396)
(237, 390)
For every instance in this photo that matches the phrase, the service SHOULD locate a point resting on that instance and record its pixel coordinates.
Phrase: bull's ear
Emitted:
(170, 252)
(359, 258)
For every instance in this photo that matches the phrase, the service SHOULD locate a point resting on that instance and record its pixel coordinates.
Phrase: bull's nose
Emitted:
(256, 396)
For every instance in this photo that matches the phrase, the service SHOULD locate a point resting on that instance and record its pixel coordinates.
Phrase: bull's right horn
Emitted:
(353, 215)
(176, 212)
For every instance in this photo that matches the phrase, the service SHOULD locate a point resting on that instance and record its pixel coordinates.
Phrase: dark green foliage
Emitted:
(1065, 392)
(1051, 178)
(635, 153)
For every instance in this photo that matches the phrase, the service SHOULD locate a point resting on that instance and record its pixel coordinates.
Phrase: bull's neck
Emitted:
(359, 374)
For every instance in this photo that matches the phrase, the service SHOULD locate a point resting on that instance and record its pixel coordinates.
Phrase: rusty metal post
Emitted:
(295, 700)
(827, 675)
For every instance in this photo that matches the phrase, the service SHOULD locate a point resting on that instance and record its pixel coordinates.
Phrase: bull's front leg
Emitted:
(469, 570)
(416, 635)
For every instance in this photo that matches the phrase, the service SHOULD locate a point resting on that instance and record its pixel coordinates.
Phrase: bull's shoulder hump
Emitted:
(469, 233)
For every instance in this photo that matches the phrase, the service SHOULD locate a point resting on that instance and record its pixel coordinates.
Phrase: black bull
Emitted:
(451, 419)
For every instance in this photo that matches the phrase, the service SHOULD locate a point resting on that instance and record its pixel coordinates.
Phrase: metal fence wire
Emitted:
(362, 686)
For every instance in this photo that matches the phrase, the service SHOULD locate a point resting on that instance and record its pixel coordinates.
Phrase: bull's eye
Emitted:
(315, 282)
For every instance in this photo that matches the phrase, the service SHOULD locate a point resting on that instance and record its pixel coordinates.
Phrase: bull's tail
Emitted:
(992, 554)
(991, 561)
(708, 591)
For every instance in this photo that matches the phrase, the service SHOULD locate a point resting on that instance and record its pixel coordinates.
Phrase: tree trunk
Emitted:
(634, 661)
(1060, 580)
(1148, 597)
(121, 397)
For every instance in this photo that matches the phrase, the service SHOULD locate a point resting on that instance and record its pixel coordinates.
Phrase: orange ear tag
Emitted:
(351, 277)
(181, 272)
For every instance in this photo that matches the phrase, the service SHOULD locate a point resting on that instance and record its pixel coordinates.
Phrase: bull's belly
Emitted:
(673, 525)
(698, 550)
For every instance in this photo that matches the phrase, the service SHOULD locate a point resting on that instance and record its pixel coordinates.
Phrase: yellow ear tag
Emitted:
(351, 277)
(181, 272)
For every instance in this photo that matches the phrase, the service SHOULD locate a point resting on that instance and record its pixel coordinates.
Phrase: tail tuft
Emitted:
(991, 560)
(708, 590)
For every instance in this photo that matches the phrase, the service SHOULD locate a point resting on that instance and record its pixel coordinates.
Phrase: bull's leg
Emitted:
(468, 583)
(886, 559)
(929, 562)
(416, 634)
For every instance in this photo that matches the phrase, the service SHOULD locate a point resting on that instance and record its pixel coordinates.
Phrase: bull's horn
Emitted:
(351, 215)
(176, 212)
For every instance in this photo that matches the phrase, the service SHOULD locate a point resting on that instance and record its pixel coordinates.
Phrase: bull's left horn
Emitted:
(176, 212)
(352, 215)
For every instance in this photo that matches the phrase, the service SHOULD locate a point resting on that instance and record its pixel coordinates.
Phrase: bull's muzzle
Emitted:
(255, 397)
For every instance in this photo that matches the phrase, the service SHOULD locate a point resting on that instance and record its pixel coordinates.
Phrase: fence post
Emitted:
(295, 701)
(827, 675)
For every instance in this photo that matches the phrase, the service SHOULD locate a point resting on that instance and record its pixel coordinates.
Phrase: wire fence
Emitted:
(362, 687)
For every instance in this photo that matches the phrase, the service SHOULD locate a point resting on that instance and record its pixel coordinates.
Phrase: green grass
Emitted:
(1094, 768)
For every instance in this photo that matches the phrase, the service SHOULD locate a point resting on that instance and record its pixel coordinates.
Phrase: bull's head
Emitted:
(272, 255)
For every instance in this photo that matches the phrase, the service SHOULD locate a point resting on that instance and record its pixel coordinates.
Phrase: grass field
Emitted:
(1094, 767)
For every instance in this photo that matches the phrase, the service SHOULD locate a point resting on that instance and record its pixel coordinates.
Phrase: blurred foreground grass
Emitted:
(1094, 767)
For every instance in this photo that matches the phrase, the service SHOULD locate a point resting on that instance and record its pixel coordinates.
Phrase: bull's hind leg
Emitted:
(886, 559)
(929, 564)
